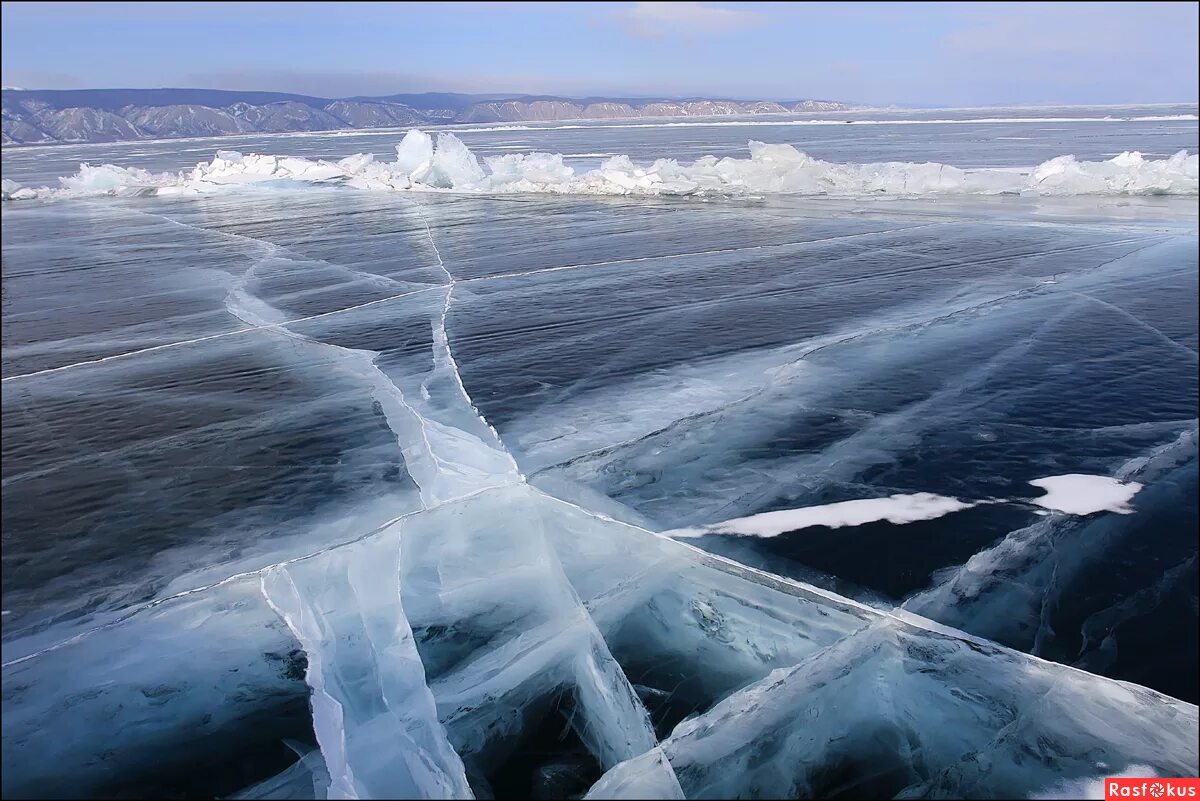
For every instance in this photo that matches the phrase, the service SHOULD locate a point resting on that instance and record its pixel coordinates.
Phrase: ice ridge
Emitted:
(770, 169)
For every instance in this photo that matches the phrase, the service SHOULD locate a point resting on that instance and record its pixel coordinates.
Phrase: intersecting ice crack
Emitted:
(441, 337)
(136, 609)
(1138, 321)
(610, 709)
(343, 603)
(425, 464)
(693, 254)
(803, 354)
(451, 282)
(238, 332)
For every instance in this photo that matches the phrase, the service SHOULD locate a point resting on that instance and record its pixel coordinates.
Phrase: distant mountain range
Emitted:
(46, 116)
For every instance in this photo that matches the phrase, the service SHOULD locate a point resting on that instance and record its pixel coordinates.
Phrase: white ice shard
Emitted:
(1128, 173)
(231, 167)
(414, 154)
(454, 165)
(528, 169)
(11, 190)
(648, 776)
(111, 179)
(373, 714)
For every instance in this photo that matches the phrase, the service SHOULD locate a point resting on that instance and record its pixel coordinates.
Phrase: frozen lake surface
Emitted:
(311, 490)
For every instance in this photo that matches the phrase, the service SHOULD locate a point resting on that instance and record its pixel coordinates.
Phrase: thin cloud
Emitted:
(656, 20)
(368, 83)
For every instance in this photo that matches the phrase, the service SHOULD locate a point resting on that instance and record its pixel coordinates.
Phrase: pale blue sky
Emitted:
(903, 53)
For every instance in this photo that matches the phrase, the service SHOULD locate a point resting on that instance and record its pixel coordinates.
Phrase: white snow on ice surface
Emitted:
(894, 509)
(771, 169)
(1073, 494)
(1079, 494)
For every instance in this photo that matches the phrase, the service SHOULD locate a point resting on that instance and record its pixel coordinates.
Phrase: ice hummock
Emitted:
(11, 190)
(770, 169)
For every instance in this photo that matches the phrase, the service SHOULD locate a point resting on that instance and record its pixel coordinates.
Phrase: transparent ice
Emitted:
(478, 583)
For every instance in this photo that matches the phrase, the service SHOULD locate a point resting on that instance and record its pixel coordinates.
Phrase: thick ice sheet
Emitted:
(597, 617)
(189, 698)
(553, 394)
(896, 712)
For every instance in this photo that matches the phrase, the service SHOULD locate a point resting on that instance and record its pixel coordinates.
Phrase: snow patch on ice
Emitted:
(1079, 494)
(894, 509)
(1074, 494)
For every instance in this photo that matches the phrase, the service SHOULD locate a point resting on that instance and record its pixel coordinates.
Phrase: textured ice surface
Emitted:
(771, 168)
(1012, 591)
(373, 714)
(188, 697)
(355, 492)
(893, 711)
